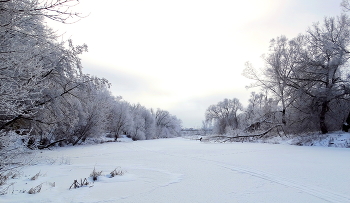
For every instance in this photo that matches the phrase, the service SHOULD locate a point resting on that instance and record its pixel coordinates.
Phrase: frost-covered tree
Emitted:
(119, 118)
(206, 127)
(322, 70)
(23, 47)
(310, 72)
(166, 125)
(43, 90)
(150, 128)
(36, 72)
(262, 114)
(93, 117)
(279, 64)
(31, 59)
(138, 128)
(224, 115)
(346, 5)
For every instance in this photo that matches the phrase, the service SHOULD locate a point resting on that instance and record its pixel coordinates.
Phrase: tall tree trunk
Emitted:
(346, 124)
(284, 117)
(324, 110)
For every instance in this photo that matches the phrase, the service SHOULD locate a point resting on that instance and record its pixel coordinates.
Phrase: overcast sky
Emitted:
(184, 55)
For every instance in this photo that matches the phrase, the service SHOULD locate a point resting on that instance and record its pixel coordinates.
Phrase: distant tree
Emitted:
(138, 129)
(206, 127)
(224, 114)
(346, 5)
(166, 125)
(150, 128)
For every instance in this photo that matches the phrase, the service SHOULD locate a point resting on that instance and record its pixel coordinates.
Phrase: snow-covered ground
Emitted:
(184, 170)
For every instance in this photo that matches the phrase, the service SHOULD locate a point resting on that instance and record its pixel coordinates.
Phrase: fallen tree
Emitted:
(240, 137)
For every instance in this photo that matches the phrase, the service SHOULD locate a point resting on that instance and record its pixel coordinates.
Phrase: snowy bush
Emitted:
(77, 184)
(35, 189)
(13, 151)
(36, 176)
(95, 174)
(116, 172)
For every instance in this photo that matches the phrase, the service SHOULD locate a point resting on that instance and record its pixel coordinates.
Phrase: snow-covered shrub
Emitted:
(13, 151)
(77, 184)
(35, 189)
(5, 190)
(95, 174)
(116, 172)
(36, 176)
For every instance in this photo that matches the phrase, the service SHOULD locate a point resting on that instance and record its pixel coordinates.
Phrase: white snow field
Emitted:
(184, 170)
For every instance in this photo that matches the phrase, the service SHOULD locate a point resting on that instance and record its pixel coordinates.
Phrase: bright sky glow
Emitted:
(184, 55)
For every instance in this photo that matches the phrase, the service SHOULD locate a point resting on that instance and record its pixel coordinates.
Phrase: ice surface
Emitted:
(184, 170)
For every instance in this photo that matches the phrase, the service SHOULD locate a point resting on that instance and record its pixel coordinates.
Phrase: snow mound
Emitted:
(124, 138)
(334, 139)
